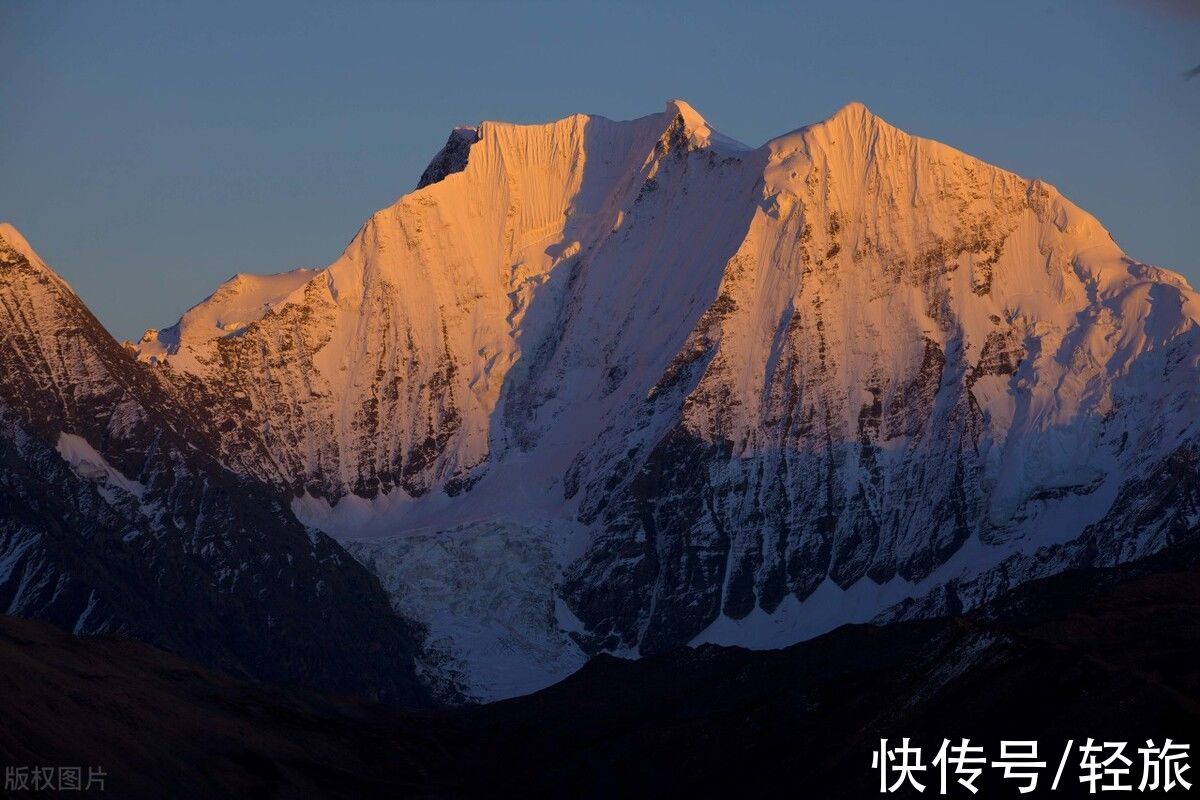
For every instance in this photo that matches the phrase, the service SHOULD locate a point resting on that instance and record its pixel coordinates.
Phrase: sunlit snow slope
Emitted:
(690, 390)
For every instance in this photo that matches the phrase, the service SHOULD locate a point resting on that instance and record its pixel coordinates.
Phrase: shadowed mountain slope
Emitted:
(116, 516)
(1105, 653)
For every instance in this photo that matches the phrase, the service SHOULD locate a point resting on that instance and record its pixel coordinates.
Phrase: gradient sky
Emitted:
(149, 151)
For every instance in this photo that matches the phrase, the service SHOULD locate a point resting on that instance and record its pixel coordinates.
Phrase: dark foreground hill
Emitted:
(1103, 653)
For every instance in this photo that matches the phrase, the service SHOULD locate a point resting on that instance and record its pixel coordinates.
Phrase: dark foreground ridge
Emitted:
(1104, 653)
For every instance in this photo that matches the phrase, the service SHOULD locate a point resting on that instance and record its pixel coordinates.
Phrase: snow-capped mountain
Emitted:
(623, 386)
(116, 518)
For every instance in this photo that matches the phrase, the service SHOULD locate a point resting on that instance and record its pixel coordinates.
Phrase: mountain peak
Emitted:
(853, 109)
(855, 116)
(564, 369)
(12, 238)
(692, 119)
(699, 132)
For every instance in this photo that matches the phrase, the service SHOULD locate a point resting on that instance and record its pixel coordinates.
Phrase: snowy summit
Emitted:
(623, 386)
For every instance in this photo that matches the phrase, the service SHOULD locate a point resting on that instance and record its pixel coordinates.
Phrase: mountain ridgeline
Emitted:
(623, 386)
(117, 518)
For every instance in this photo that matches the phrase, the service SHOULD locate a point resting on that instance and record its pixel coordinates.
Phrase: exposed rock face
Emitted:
(911, 350)
(451, 158)
(386, 371)
(754, 392)
(115, 516)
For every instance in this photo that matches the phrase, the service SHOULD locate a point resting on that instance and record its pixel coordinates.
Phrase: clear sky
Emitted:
(151, 150)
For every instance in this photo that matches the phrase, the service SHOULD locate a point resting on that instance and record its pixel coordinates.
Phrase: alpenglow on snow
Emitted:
(624, 386)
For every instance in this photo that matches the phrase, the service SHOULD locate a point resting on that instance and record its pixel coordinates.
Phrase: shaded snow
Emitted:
(91, 466)
(500, 351)
(793, 621)
(486, 594)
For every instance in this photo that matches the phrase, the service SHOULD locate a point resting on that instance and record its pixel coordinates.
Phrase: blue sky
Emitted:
(149, 151)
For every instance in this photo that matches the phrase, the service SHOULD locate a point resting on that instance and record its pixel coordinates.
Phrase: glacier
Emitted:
(605, 386)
